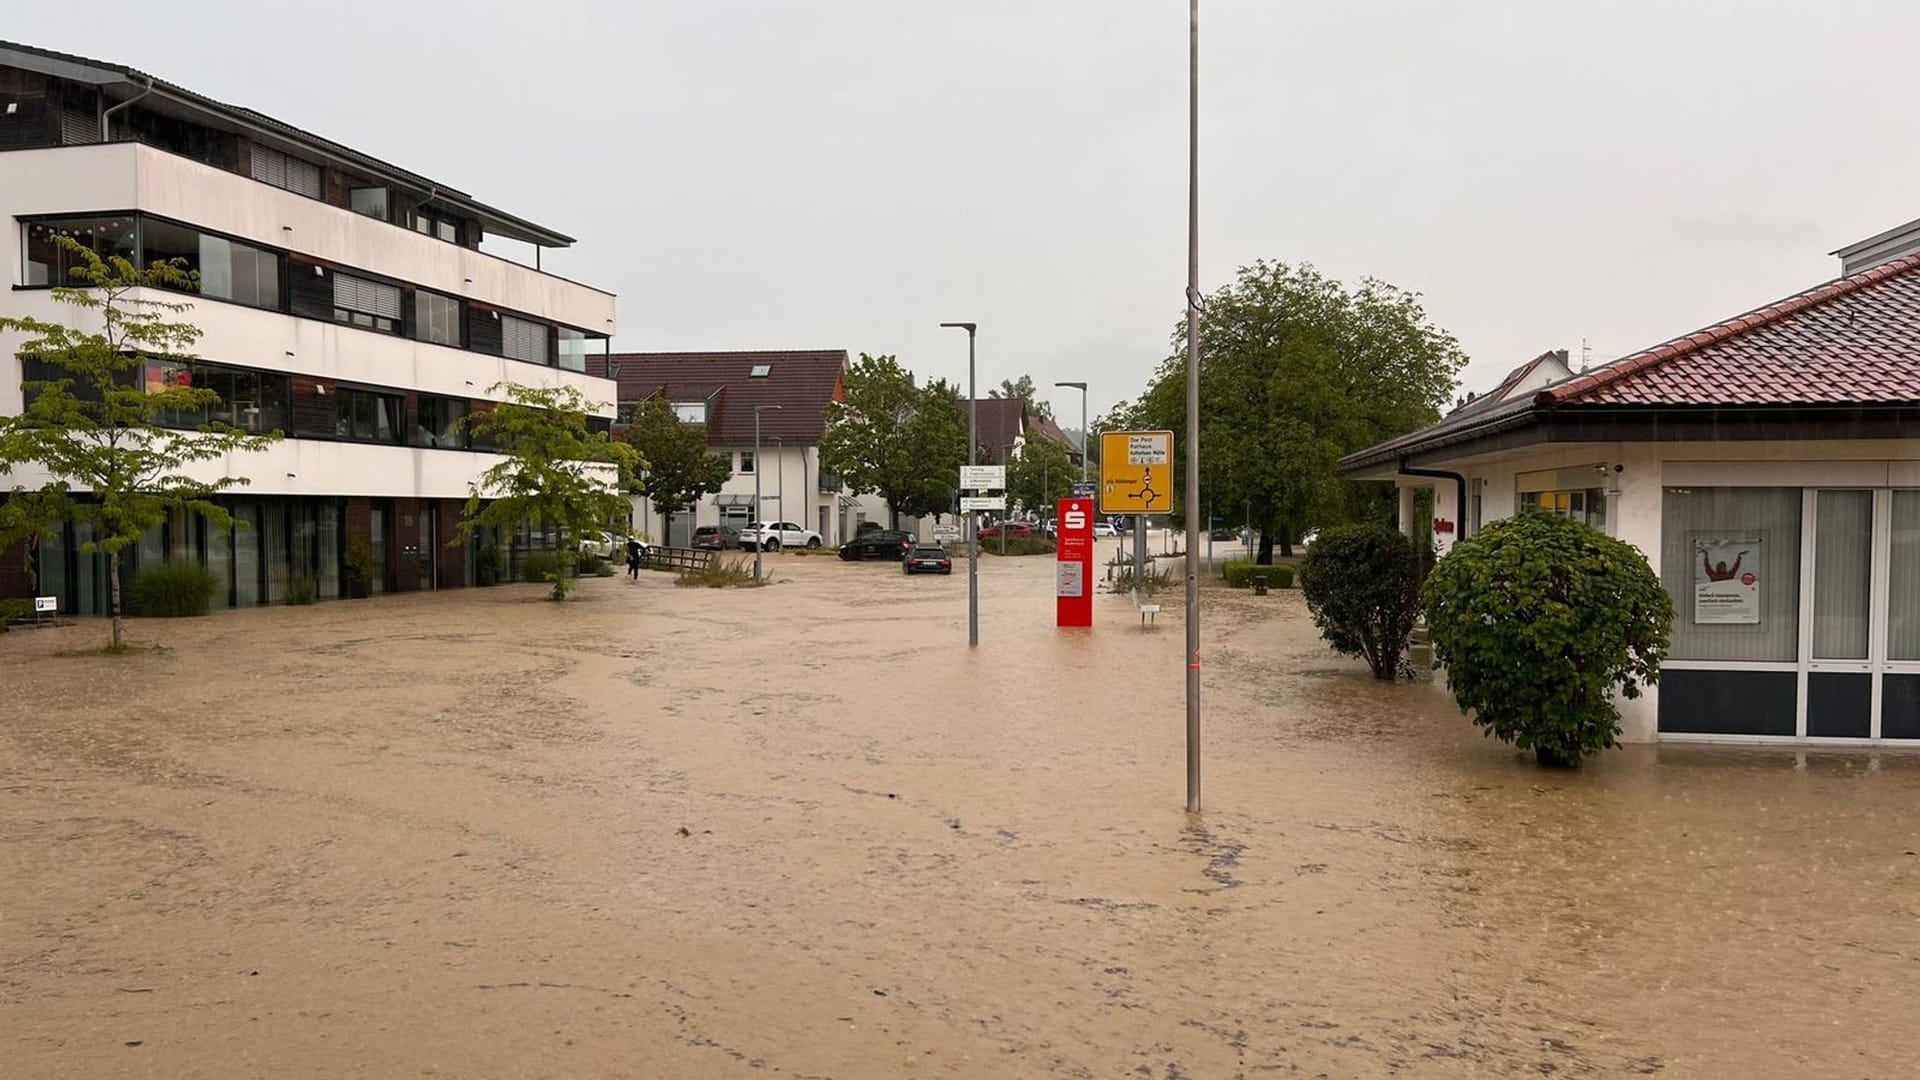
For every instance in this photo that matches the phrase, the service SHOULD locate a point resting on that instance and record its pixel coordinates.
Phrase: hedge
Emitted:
(171, 591)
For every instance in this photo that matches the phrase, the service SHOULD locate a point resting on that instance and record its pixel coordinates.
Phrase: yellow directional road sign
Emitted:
(1136, 472)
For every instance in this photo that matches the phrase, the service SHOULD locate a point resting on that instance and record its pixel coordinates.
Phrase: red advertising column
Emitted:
(1074, 566)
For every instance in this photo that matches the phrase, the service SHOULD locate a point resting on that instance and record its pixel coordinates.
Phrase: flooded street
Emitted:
(803, 832)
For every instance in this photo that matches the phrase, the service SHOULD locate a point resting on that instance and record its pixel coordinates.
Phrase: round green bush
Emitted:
(1540, 620)
(1362, 587)
(171, 591)
(1240, 574)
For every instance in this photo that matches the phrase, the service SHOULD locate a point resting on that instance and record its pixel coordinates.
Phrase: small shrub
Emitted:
(487, 564)
(1017, 545)
(553, 567)
(719, 574)
(302, 590)
(1540, 620)
(171, 591)
(359, 566)
(1153, 581)
(14, 610)
(1240, 574)
(1362, 587)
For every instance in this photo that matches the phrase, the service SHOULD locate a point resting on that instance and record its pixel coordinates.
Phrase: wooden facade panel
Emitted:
(312, 412)
(309, 288)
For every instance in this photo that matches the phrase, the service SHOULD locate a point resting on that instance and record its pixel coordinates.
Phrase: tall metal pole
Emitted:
(1193, 407)
(1082, 387)
(760, 533)
(973, 530)
(760, 520)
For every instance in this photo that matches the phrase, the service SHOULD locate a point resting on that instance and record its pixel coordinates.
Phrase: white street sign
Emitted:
(46, 603)
(946, 532)
(983, 477)
(1152, 448)
(983, 502)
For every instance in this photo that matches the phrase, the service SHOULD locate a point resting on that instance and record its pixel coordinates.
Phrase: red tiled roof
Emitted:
(802, 383)
(1852, 341)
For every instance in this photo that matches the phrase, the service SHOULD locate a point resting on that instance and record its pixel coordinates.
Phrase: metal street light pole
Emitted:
(973, 450)
(760, 519)
(1082, 387)
(780, 462)
(1193, 407)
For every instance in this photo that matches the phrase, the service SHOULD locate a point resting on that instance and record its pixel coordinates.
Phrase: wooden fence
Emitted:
(677, 560)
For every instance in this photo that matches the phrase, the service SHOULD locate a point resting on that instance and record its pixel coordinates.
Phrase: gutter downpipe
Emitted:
(1459, 490)
(106, 118)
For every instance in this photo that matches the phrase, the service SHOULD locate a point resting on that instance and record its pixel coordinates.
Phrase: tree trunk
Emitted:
(893, 516)
(1265, 555)
(113, 577)
(666, 528)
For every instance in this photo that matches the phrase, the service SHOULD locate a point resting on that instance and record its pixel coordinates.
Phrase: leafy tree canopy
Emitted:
(1042, 473)
(888, 436)
(1025, 390)
(679, 468)
(1297, 370)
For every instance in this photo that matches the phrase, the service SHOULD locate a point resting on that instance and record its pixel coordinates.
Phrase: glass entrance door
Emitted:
(378, 543)
(429, 517)
(1839, 696)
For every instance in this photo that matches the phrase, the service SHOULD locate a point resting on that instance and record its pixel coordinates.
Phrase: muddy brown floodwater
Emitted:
(803, 832)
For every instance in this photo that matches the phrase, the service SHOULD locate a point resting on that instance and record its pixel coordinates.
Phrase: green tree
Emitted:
(1041, 473)
(1540, 621)
(888, 436)
(104, 430)
(1297, 370)
(557, 474)
(679, 469)
(1362, 587)
(1026, 391)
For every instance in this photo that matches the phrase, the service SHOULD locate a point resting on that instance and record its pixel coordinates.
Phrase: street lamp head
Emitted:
(758, 408)
(967, 326)
(1075, 385)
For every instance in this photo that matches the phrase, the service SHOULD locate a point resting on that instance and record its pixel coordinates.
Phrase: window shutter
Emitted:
(78, 127)
(522, 339)
(372, 297)
(270, 166)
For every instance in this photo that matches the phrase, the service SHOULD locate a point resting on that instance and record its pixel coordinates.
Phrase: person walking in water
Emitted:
(633, 558)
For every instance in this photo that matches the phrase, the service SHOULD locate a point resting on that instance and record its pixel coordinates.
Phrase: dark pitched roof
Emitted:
(102, 73)
(1001, 423)
(801, 382)
(1851, 342)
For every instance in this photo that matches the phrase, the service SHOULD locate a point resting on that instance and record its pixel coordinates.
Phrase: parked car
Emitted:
(715, 537)
(1307, 538)
(1015, 530)
(776, 535)
(877, 544)
(601, 544)
(1104, 529)
(927, 559)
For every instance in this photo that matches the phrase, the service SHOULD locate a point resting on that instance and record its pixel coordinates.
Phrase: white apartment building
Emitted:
(344, 301)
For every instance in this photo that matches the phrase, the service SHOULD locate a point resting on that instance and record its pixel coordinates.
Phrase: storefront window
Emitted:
(49, 263)
(1842, 575)
(1730, 558)
(1585, 505)
(1903, 609)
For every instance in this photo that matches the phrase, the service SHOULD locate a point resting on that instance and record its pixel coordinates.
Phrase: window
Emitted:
(273, 167)
(253, 401)
(366, 416)
(746, 462)
(372, 304)
(1903, 612)
(573, 349)
(371, 201)
(522, 339)
(228, 269)
(48, 263)
(440, 423)
(760, 371)
(690, 412)
(432, 224)
(436, 318)
(1585, 505)
(1712, 540)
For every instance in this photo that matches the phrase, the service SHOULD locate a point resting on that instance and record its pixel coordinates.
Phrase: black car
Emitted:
(877, 544)
(716, 537)
(927, 559)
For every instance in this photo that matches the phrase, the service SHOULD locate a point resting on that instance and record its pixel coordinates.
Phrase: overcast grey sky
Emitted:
(849, 173)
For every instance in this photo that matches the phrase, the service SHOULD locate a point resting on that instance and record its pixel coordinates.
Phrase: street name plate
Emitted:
(983, 502)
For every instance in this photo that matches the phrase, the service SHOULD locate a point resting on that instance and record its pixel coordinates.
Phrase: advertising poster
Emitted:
(1726, 578)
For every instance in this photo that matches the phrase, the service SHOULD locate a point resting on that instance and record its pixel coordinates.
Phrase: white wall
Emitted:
(128, 176)
(792, 469)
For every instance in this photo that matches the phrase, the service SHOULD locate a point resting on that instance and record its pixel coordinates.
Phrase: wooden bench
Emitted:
(677, 560)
